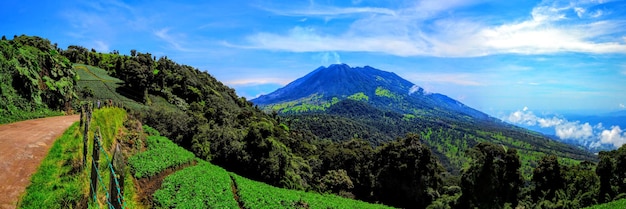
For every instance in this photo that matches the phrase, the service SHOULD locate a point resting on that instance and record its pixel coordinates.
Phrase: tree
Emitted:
(408, 173)
(493, 178)
(605, 171)
(547, 178)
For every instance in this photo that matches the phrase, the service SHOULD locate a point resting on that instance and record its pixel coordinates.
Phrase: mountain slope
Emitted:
(382, 89)
(340, 103)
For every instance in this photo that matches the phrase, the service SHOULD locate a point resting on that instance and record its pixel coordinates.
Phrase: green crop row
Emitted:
(201, 186)
(610, 205)
(255, 194)
(161, 155)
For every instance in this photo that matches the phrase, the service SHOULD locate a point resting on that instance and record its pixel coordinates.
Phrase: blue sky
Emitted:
(496, 56)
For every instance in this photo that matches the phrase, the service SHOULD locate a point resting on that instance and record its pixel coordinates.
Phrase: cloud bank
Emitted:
(585, 133)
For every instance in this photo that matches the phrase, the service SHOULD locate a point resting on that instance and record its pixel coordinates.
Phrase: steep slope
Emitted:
(384, 90)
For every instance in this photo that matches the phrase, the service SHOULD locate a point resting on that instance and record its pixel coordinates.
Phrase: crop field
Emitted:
(161, 154)
(103, 86)
(209, 186)
(201, 186)
(255, 194)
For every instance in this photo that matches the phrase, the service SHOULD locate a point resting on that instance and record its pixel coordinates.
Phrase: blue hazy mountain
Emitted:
(381, 89)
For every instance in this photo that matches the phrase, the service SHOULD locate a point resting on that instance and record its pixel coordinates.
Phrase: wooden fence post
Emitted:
(118, 167)
(85, 133)
(94, 167)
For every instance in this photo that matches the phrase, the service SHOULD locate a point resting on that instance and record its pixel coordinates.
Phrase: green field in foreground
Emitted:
(208, 186)
(610, 205)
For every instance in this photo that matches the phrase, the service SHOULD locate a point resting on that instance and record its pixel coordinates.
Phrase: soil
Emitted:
(23, 145)
(147, 186)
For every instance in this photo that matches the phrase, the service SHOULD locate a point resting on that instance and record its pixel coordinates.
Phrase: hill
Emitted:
(340, 103)
(208, 119)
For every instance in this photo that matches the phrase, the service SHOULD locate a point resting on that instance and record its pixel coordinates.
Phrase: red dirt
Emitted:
(23, 145)
(147, 186)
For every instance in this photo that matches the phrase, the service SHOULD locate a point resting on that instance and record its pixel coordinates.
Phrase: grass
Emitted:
(610, 205)
(60, 183)
(19, 115)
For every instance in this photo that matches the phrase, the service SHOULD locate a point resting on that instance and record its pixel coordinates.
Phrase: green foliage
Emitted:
(201, 186)
(36, 81)
(610, 205)
(359, 97)
(493, 178)
(382, 92)
(409, 175)
(259, 195)
(59, 181)
(161, 154)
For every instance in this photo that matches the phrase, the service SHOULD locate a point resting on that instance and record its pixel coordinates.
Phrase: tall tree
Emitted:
(547, 178)
(408, 175)
(493, 178)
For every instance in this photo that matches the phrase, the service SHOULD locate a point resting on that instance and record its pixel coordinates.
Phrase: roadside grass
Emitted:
(61, 183)
(16, 114)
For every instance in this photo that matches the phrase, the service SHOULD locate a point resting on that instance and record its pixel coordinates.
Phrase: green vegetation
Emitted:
(610, 205)
(209, 186)
(60, 182)
(327, 144)
(255, 194)
(56, 184)
(161, 154)
(382, 92)
(200, 186)
(359, 97)
(36, 81)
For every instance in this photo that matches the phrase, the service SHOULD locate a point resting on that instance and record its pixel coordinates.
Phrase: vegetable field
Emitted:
(255, 194)
(208, 186)
(201, 186)
(161, 154)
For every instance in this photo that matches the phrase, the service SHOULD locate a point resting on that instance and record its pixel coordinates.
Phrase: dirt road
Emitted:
(23, 145)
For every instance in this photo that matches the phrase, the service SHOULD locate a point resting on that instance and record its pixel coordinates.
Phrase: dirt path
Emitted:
(23, 145)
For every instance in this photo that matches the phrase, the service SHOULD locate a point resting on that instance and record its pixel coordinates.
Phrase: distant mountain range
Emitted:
(340, 102)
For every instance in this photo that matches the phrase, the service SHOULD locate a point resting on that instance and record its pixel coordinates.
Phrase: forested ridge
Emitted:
(206, 117)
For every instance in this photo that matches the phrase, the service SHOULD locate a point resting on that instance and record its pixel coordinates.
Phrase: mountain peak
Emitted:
(382, 89)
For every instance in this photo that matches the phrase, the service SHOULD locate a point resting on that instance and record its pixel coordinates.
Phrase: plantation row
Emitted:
(161, 154)
(208, 186)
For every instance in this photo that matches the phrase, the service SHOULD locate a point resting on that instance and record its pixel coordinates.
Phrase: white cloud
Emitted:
(574, 130)
(613, 136)
(101, 46)
(175, 41)
(327, 58)
(332, 11)
(622, 106)
(419, 31)
(592, 136)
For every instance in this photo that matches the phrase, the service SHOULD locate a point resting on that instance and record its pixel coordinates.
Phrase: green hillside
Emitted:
(399, 165)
